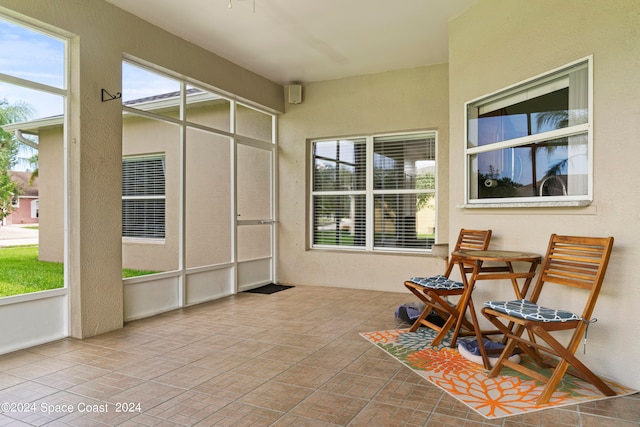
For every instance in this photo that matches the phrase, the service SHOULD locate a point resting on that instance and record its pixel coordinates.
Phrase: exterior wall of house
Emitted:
(22, 213)
(533, 38)
(208, 191)
(401, 100)
(101, 34)
(51, 178)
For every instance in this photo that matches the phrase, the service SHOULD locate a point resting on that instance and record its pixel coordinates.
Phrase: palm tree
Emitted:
(33, 160)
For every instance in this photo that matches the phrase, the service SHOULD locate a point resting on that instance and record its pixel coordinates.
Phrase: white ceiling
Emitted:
(310, 40)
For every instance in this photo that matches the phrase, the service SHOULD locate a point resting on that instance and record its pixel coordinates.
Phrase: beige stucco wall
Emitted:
(208, 198)
(101, 34)
(51, 193)
(501, 42)
(399, 100)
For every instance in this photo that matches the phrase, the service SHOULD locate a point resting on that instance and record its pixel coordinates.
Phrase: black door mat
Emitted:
(271, 288)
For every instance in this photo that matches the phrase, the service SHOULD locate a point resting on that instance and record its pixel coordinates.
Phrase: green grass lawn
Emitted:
(21, 272)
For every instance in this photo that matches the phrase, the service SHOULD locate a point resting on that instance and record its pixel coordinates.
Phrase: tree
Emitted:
(33, 160)
(425, 182)
(9, 113)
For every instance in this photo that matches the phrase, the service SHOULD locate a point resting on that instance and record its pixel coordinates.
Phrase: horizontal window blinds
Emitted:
(143, 197)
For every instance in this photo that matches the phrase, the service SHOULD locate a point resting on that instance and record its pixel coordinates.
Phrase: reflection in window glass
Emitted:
(532, 141)
(539, 107)
(557, 167)
(339, 165)
(339, 220)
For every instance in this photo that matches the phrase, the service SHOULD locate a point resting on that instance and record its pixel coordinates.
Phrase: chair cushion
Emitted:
(437, 282)
(527, 310)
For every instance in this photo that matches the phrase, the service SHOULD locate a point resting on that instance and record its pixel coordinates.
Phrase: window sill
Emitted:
(557, 204)
(373, 252)
(142, 241)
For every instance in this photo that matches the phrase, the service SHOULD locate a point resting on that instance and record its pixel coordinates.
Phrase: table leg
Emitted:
(476, 324)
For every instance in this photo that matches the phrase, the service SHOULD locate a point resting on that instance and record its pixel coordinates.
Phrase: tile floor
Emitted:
(293, 358)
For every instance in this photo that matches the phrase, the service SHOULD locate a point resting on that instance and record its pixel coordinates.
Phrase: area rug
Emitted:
(271, 288)
(511, 393)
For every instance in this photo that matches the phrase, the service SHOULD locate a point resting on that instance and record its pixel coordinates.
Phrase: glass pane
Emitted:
(404, 220)
(31, 55)
(558, 102)
(208, 109)
(148, 91)
(404, 162)
(339, 220)
(339, 165)
(208, 199)
(254, 183)
(254, 124)
(556, 167)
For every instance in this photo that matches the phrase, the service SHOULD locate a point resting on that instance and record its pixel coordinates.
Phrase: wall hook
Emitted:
(106, 96)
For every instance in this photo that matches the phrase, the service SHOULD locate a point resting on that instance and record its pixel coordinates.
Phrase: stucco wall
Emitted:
(51, 175)
(501, 42)
(399, 100)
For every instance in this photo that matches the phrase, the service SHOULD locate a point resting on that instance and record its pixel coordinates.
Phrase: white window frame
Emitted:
(585, 128)
(369, 192)
(35, 208)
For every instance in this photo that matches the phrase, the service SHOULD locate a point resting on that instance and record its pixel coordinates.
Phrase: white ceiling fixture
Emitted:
(310, 40)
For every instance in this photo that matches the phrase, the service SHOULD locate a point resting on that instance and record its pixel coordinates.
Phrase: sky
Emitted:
(38, 57)
(33, 56)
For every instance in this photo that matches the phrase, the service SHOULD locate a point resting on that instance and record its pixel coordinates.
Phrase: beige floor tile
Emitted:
(302, 364)
(330, 408)
(276, 396)
(237, 414)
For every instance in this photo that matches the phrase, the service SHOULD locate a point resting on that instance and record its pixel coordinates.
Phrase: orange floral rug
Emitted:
(509, 394)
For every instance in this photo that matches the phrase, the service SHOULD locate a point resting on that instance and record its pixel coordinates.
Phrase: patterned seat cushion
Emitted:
(437, 282)
(527, 310)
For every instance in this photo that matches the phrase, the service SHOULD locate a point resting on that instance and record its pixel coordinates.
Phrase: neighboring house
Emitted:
(26, 204)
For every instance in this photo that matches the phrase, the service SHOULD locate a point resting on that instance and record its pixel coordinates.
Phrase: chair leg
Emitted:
(568, 358)
(421, 319)
(506, 353)
(516, 335)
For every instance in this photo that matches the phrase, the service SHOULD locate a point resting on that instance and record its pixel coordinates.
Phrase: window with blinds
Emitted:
(374, 192)
(143, 197)
(532, 142)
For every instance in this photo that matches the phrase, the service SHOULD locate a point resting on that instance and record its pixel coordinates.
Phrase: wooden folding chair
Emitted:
(434, 290)
(579, 262)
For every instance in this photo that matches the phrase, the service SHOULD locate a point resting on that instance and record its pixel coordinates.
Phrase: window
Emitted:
(374, 192)
(532, 142)
(143, 197)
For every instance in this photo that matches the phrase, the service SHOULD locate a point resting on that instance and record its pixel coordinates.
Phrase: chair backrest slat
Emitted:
(469, 240)
(473, 239)
(578, 262)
